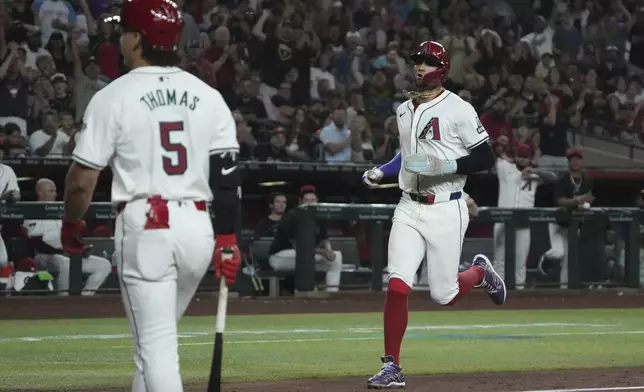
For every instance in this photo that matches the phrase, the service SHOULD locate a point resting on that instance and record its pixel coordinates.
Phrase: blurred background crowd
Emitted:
(320, 79)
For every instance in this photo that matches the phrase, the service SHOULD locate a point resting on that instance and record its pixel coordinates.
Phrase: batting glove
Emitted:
(226, 258)
(71, 236)
(372, 177)
(428, 165)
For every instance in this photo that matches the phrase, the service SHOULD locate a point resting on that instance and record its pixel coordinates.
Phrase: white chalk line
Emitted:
(310, 331)
(608, 389)
(349, 339)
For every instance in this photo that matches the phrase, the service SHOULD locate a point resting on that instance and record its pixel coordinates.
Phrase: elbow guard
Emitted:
(225, 180)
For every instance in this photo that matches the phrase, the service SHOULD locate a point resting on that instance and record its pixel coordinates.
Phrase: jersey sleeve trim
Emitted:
(220, 150)
(87, 163)
(485, 139)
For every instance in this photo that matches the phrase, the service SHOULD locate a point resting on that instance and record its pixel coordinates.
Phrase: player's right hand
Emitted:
(71, 237)
(226, 258)
(372, 177)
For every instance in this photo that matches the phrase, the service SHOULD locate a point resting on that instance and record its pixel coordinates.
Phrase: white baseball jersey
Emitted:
(156, 127)
(48, 229)
(8, 180)
(446, 127)
(514, 190)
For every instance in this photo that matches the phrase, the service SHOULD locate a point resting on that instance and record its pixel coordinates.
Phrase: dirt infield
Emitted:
(205, 304)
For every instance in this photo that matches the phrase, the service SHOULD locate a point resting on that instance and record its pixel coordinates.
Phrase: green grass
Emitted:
(60, 354)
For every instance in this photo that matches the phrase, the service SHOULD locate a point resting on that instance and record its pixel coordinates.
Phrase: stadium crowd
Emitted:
(320, 80)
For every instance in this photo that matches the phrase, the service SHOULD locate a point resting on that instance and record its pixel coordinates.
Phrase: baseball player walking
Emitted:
(518, 182)
(441, 141)
(164, 133)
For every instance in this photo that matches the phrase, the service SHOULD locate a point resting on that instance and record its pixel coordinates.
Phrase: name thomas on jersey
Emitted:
(167, 97)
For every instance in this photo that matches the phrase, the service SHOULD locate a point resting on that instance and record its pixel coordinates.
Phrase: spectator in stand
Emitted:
(336, 138)
(62, 101)
(87, 80)
(285, 111)
(267, 226)
(49, 141)
(34, 49)
(540, 40)
(361, 141)
(14, 90)
(286, 58)
(105, 47)
(553, 137)
(495, 121)
(245, 137)
(275, 150)
(223, 56)
(57, 48)
(251, 107)
(320, 73)
(390, 144)
(299, 140)
(54, 16)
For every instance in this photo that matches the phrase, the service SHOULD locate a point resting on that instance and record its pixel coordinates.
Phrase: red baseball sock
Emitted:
(466, 282)
(395, 317)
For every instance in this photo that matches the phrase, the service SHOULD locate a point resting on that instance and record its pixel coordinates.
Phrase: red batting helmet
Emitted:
(434, 54)
(159, 21)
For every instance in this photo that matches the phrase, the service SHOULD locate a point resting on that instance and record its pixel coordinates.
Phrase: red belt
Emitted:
(200, 205)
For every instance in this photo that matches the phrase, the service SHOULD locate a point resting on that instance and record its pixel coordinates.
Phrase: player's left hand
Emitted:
(428, 165)
(226, 258)
(71, 236)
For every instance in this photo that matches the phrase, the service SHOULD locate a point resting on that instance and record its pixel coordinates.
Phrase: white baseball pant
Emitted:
(98, 269)
(284, 260)
(434, 231)
(559, 249)
(159, 272)
(521, 251)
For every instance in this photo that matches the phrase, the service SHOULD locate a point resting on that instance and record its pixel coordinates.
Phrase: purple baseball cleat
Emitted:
(390, 376)
(492, 283)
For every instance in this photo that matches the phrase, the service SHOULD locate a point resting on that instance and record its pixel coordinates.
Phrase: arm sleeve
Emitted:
(225, 178)
(98, 135)
(392, 167)
(481, 158)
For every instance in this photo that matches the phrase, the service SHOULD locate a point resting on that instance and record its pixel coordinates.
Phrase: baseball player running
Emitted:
(442, 141)
(163, 132)
(518, 182)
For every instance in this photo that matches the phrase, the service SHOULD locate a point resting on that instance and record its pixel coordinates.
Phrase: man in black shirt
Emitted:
(251, 107)
(268, 225)
(275, 150)
(282, 252)
(572, 190)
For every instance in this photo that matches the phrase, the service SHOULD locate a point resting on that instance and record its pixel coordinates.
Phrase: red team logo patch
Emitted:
(431, 130)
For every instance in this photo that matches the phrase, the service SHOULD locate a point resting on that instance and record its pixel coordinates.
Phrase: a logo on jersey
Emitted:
(431, 130)
(284, 52)
(479, 126)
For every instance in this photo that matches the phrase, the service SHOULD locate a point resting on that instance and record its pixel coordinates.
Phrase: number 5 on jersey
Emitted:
(179, 163)
(431, 130)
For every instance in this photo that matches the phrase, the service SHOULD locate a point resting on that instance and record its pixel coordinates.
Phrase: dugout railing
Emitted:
(378, 215)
